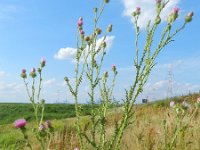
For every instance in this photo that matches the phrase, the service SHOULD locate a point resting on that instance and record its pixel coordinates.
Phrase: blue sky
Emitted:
(33, 29)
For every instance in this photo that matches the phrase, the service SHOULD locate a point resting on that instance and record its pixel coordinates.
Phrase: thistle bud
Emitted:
(32, 73)
(105, 75)
(82, 32)
(41, 127)
(106, 1)
(43, 62)
(158, 20)
(137, 11)
(114, 69)
(188, 18)
(109, 29)
(98, 31)
(95, 10)
(66, 79)
(23, 73)
(48, 124)
(80, 22)
(87, 38)
(173, 16)
(104, 44)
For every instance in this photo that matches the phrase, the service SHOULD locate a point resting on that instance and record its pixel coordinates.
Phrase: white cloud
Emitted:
(65, 53)
(70, 53)
(2, 74)
(147, 10)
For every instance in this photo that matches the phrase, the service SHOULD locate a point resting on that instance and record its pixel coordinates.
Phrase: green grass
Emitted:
(9, 112)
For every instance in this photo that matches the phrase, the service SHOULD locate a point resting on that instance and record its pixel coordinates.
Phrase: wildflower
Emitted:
(82, 32)
(105, 75)
(87, 38)
(114, 68)
(137, 11)
(76, 148)
(80, 22)
(189, 16)
(41, 127)
(158, 2)
(20, 123)
(198, 100)
(172, 104)
(43, 62)
(103, 44)
(32, 73)
(173, 16)
(109, 29)
(98, 31)
(106, 1)
(48, 124)
(186, 105)
(23, 73)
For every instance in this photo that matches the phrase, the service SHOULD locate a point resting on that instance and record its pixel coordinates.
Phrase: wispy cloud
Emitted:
(147, 10)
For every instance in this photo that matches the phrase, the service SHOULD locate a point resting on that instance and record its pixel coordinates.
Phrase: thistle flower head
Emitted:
(198, 100)
(32, 73)
(172, 104)
(109, 29)
(20, 123)
(175, 10)
(43, 62)
(98, 31)
(189, 16)
(137, 11)
(82, 32)
(23, 73)
(80, 22)
(41, 127)
(48, 124)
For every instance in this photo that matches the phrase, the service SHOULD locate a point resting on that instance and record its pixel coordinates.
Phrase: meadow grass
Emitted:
(146, 133)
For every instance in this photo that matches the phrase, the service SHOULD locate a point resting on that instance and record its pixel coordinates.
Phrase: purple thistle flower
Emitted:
(41, 127)
(43, 62)
(48, 124)
(176, 10)
(23, 70)
(20, 123)
(80, 22)
(82, 32)
(198, 100)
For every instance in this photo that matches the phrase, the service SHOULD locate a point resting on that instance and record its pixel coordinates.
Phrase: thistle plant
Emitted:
(89, 60)
(42, 130)
(184, 114)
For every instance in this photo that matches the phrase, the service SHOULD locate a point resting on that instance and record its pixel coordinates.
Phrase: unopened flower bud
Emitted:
(82, 32)
(188, 18)
(41, 127)
(104, 44)
(80, 22)
(106, 1)
(48, 124)
(98, 31)
(32, 73)
(66, 79)
(105, 75)
(158, 20)
(113, 68)
(87, 38)
(109, 29)
(23, 73)
(39, 70)
(43, 62)
(95, 10)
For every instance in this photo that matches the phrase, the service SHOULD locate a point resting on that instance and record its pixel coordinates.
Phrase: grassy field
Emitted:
(146, 133)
